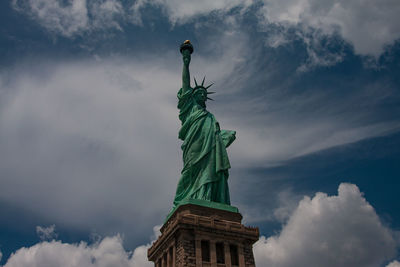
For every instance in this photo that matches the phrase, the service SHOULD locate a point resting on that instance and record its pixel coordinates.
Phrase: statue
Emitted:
(205, 160)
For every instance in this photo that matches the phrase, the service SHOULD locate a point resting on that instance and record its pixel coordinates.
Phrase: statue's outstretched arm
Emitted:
(186, 50)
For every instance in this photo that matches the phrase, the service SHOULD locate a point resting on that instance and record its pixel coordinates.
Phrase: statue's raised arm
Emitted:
(186, 51)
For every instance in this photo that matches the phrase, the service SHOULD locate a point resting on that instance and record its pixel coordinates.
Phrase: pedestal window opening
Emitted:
(234, 255)
(205, 250)
(219, 247)
(170, 252)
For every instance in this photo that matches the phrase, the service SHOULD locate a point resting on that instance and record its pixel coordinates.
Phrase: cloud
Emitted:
(106, 14)
(182, 11)
(77, 141)
(275, 138)
(73, 17)
(394, 264)
(85, 144)
(46, 233)
(342, 230)
(108, 252)
(78, 137)
(278, 207)
(368, 25)
(287, 202)
(325, 27)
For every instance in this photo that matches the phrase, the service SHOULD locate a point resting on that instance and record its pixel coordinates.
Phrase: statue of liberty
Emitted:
(205, 161)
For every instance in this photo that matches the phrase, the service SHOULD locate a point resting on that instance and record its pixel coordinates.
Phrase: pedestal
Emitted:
(196, 236)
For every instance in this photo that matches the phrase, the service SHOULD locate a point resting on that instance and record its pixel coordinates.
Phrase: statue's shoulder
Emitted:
(185, 100)
(185, 93)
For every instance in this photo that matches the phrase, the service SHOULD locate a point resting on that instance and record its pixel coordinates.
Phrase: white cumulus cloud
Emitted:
(394, 264)
(342, 230)
(108, 251)
(328, 231)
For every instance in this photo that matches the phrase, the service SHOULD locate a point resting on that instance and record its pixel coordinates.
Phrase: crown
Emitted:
(201, 86)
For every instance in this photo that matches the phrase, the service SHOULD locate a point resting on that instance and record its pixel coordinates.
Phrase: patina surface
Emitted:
(205, 161)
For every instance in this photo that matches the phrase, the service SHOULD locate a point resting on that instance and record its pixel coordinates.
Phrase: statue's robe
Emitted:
(205, 160)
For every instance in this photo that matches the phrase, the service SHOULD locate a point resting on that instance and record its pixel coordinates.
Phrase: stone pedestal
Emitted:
(203, 236)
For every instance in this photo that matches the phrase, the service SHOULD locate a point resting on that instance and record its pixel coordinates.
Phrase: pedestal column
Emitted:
(241, 256)
(227, 255)
(213, 254)
(198, 252)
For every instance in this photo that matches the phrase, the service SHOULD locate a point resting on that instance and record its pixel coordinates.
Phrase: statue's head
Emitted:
(200, 93)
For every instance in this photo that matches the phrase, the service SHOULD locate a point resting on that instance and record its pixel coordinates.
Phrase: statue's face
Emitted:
(201, 97)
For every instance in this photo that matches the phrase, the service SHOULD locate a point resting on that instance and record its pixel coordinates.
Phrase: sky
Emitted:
(89, 149)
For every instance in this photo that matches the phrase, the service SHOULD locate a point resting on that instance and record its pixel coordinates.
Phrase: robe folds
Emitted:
(205, 160)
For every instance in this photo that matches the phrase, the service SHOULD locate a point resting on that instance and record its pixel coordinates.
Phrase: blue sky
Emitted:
(89, 154)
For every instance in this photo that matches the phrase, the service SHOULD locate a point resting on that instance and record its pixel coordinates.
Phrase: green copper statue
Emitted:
(205, 160)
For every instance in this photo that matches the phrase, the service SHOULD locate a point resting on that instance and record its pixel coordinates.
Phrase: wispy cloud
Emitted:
(279, 122)
(46, 233)
(73, 17)
(368, 25)
(183, 11)
(326, 29)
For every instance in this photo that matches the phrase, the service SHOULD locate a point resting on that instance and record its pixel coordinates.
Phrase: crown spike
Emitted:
(209, 93)
(209, 86)
(195, 81)
(210, 98)
(202, 83)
